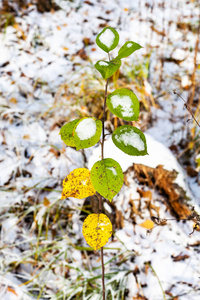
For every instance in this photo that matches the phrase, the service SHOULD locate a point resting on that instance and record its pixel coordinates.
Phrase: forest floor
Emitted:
(47, 78)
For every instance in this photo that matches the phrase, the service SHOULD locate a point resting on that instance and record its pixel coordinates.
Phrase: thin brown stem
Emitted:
(103, 120)
(196, 50)
(188, 108)
(102, 276)
(101, 198)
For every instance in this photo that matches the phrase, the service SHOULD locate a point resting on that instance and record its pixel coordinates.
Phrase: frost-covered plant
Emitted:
(106, 177)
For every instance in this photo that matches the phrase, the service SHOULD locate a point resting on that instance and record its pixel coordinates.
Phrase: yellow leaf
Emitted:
(148, 224)
(97, 229)
(46, 201)
(65, 48)
(13, 100)
(58, 27)
(78, 184)
(26, 136)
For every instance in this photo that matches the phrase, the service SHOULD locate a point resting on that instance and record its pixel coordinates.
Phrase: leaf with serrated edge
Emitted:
(66, 133)
(78, 184)
(130, 140)
(107, 177)
(107, 39)
(127, 49)
(97, 229)
(124, 104)
(108, 68)
(87, 133)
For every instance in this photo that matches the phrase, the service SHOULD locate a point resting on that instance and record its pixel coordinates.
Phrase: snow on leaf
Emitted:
(97, 229)
(107, 177)
(107, 39)
(107, 69)
(130, 140)
(78, 184)
(87, 133)
(124, 104)
(127, 49)
(82, 129)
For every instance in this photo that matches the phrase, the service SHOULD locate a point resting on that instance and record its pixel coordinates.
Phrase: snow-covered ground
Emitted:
(41, 69)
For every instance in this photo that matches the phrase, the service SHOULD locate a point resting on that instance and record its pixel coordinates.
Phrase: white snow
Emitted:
(125, 103)
(131, 139)
(129, 44)
(107, 207)
(86, 129)
(112, 170)
(107, 38)
(43, 70)
(103, 63)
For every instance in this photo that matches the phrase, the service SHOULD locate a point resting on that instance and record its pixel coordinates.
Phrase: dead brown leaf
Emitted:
(163, 181)
(180, 257)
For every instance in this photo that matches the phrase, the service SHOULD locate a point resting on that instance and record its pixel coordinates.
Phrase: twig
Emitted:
(187, 107)
(103, 119)
(102, 157)
(193, 77)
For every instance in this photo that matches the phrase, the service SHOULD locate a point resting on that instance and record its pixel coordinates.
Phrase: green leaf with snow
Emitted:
(107, 177)
(66, 133)
(87, 133)
(108, 68)
(124, 104)
(107, 39)
(127, 49)
(130, 140)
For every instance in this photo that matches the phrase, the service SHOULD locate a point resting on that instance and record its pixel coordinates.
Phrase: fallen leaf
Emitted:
(13, 100)
(46, 201)
(147, 224)
(180, 257)
(9, 289)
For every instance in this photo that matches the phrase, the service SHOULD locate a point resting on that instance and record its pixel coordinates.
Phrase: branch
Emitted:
(188, 108)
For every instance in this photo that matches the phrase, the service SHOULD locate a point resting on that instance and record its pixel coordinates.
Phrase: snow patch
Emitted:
(125, 103)
(113, 170)
(86, 129)
(107, 38)
(131, 139)
(129, 44)
(103, 63)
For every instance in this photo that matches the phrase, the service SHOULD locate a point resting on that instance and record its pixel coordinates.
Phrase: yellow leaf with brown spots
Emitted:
(78, 184)
(97, 229)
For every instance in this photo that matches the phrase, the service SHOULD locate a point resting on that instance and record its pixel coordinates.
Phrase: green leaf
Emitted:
(108, 68)
(124, 104)
(107, 177)
(130, 140)
(107, 39)
(66, 133)
(127, 49)
(87, 133)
